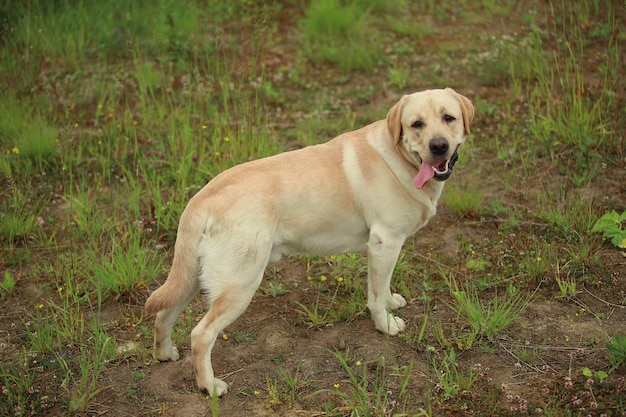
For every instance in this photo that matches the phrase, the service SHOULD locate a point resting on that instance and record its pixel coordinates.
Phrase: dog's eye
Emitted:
(449, 119)
(418, 125)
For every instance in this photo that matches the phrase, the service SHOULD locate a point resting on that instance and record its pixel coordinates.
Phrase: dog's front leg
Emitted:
(383, 251)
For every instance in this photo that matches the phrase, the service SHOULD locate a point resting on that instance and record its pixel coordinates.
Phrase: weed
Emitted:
(599, 375)
(506, 57)
(398, 77)
(20, 218)
(537, 265)
(477, 265)
(529, 356)
(450, 381)
(274, 397)
(610, 225)
(563, 117)
(338, 32)
(20, 393)
(25, 132)
(617, 351)
(7, 285)
(81, 390)
(316, 315)
(368, 394)
(129, 266)
(567, 213)
(38, 334)
(567, 286)
(465, 201)
(275, 290)
(296, 382)
(486, 319)
(244, 336)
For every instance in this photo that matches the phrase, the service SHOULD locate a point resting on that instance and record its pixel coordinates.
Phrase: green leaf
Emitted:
(587, 372)
(611, 231)
(601, 375)
(619, 240)
(607, 221)
(478, 265)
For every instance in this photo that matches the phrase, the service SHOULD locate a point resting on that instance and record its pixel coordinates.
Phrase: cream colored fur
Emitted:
(354, 193)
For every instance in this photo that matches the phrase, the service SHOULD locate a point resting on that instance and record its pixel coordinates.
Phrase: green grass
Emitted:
(463, 200)
(486, 319)
(617, 351)
(574, 125)
(340, 33)
(450, 380)
(130, 265)
(114, 113)
(365, 389)
(30, 143)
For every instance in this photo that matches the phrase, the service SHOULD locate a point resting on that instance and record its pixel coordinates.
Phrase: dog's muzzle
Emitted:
(439, 170)
(444, 169)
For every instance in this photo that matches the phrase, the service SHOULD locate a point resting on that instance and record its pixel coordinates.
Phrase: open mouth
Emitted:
(443, 168)
(440, 170)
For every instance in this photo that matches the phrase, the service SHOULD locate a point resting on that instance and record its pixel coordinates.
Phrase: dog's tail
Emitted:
(181, 283)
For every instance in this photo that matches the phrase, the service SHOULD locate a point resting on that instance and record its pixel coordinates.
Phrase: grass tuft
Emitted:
(339, 33)
(486, 319)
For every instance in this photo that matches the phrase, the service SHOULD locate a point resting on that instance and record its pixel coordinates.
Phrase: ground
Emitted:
(306, 346)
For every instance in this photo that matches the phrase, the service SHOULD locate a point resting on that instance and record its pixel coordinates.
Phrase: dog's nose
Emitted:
(438, 146)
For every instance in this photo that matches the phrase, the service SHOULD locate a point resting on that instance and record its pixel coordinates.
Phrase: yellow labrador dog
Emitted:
(364, 191)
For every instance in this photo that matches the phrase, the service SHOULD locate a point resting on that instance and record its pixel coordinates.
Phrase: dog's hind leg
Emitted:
(226, 307)
(163, 324)
(230, 282)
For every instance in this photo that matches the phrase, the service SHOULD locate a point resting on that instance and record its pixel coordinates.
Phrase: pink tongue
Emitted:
(425, 173)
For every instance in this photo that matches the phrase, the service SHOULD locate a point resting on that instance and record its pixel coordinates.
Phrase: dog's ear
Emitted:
(466, 107)
(394, 120)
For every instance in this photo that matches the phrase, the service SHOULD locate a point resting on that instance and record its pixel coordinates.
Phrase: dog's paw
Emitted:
(170, 354)
(215, 387)
(396, 301)
(392, 326)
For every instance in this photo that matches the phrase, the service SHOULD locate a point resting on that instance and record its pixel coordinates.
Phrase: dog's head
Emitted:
(428, 127)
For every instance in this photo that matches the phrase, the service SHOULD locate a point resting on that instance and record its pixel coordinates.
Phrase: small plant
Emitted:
(398, 77)
(19, 216)
(337, 32)
(368, 393)
(317, 315)
(244, 336)
(617, 351)
(7, 285)
(129, 266)
(477, 264)
(450, 379)
(296, 382)
(528, 356)
(84, 385)
(486, 319)
(275, 290)
(567, 286)
(592, 377)
(611, 227)
(464, 201)
(599, 375)
(17, 380)
(273, 393)
(32, 143)
(537, 265)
